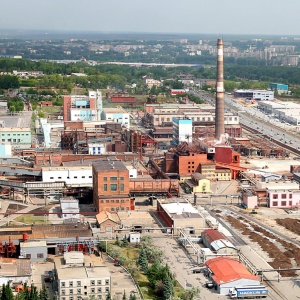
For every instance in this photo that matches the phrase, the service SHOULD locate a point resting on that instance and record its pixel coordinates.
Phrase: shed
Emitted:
(228, 273)
(34, 250)
(134, 237)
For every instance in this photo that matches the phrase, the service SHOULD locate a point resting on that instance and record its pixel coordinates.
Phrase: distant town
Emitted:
(161, 167)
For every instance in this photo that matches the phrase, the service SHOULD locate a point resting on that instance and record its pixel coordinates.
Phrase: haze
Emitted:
(156, 16)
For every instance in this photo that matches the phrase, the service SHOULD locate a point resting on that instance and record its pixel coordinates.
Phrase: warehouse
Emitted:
(227, 273)
(254, 94)
(217, 242)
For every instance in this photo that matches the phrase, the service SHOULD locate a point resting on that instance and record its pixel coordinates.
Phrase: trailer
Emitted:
(248, 292)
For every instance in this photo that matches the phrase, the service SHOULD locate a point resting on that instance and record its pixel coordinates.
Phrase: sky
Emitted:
(262, 17)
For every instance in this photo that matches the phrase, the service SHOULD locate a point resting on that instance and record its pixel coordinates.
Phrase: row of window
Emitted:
(79, 291)
(113, 187)
(12, 140)
(114, 201)
(74, 177)
(283, 203)
(113, 178)
(18, 134)
(283, 196)
(92, 282)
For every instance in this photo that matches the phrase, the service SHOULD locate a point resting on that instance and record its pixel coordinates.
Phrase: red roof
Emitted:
(213, 235)
(227, 270)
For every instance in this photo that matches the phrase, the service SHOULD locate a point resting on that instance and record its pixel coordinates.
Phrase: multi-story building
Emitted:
(80, 107)
(116, 114)
(182, 130)
(15, 135)
(111, 186)
(78, 278)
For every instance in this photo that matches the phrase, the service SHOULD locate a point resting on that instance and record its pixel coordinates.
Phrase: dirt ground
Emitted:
(290, 224)
(282, 254)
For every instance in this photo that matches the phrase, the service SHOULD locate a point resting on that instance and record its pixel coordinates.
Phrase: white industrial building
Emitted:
(116, 114)
(182, 130)
(254, 94)
(69, 208)
(228, 273)
(78, 278)
(34, 250)
(97, 148)
(74, 176)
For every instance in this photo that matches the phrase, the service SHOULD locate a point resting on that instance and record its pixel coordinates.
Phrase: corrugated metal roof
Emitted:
(33, 244)
(228, 269)
(219, 244)
(213, 235)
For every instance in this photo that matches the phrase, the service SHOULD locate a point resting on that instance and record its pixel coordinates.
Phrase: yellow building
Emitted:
(223, 174)
(199, 184)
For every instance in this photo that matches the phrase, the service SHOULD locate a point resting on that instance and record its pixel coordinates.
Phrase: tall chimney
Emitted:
(219, 117)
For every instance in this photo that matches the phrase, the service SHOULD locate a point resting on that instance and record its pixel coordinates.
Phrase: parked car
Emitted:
(195, 271)
(209, 284)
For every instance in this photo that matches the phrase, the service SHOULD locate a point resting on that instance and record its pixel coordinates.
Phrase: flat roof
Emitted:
(107, 164)
(30, 244)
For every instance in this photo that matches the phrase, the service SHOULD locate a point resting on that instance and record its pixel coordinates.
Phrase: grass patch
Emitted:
(32, 219)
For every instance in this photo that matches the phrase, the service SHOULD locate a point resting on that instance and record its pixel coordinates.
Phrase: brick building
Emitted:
(111, 186)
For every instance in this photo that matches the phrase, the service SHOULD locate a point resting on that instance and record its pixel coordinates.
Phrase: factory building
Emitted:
(180, 215)
(280, 88)
(228, 273)
(78, 278)
(182, 130)
(254, 94)
(15, 136)
(217, 242)
(84, 108)
(111, 186)
(116, 114)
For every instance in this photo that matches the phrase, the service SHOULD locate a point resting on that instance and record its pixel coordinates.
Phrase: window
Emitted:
(75, 177)
(63, 292)
(275, 196)
(40, 255)
(63, 284)
(99, 290)
(59, 177)
(117, 201)
(290, 196)
(112, 209)
(51, 177)
(283, 203)
(290, 203)
(71, 283)
(122, 201)
(93, 291)
(283, 196)
(122, 187)
(107, 289)
(113, 187)
(78, 283)
(71, 292)
(275, 203)
(105, 178)
(106, 281)
(121, 178)
(28, 256)
(99, 282)
(113, 178)
(82, 176)
(107, 201)
(105, 187)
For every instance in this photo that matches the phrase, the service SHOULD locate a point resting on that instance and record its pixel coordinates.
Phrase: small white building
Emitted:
(134, 237)
(69, 208)
(34, 250)
(182, 130)
(99, 148)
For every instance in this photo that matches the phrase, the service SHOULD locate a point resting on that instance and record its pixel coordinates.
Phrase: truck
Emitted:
(248, 292)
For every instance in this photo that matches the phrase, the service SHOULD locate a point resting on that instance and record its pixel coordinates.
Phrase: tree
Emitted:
(108, 296)
(125, 241)
(142, 261)
(6, 292)
(124, 296)
(117, 240)
(168, 290)
(132, 297)
(43, 294)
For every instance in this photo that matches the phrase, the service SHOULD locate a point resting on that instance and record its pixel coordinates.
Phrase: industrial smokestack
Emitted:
(219, 117)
